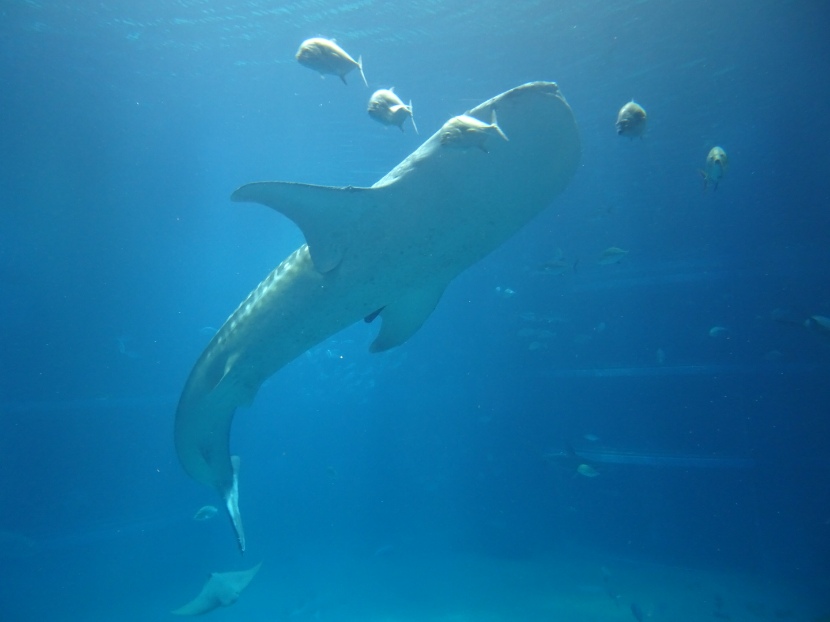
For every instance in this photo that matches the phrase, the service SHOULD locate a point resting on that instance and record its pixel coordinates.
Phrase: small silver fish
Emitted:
(587, 470)
(611, 255)
(387, 108)
(205, 512)
(326, 57)
(716, 164)
(465, 131)
(718, 331)
(631, 120)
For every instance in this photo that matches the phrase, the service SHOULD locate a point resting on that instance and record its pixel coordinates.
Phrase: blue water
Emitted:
(125, 126)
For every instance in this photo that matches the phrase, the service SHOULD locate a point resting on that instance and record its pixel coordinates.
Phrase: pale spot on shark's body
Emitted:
(388, 251)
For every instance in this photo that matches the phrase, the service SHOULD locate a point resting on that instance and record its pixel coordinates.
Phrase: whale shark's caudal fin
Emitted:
(232, 505)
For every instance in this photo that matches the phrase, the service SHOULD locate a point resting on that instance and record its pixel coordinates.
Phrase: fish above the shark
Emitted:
(326, 57)
(466, 131)
(387, 252)
(387, 108)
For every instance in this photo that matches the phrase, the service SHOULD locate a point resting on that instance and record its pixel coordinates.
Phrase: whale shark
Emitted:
(387, 251)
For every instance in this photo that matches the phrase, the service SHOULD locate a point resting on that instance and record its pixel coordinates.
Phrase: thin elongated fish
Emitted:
(388, 251)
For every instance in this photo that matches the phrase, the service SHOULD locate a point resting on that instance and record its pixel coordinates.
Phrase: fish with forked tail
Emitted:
(631, 120)
(387, 108)
(465, 131)
(326, 57)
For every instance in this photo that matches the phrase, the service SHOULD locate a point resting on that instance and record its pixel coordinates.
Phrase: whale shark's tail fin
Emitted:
(232, 505)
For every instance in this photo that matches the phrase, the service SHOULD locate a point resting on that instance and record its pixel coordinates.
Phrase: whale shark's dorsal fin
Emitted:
(323, 213)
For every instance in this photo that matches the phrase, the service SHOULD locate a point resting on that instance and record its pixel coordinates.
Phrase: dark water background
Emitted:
(124, 127)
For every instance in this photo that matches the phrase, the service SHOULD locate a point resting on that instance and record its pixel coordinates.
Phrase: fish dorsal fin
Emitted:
(323, 213)
(403, 317)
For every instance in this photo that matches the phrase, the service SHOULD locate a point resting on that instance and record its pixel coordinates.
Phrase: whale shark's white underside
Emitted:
(389, 250)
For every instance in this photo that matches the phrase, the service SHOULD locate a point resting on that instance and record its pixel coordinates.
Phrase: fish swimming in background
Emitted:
(717, 163)
(611, 256)
(819, 321)
(326, 57)
(557, 264)
(637, 612)
(465, 131)
(718, 331)
(205, 512)
(631, 120)
(386, 252)
(387, 108)
(587, 470)
(554, 266)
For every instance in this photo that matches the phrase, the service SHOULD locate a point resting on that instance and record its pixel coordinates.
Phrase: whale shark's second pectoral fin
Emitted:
(403, 317)
(323, 213)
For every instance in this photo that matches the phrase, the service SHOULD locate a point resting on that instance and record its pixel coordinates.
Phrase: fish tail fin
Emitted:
(360, 68)
(495, 125)
(412, 117)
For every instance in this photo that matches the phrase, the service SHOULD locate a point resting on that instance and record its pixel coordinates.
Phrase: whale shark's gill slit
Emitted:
(388, 251)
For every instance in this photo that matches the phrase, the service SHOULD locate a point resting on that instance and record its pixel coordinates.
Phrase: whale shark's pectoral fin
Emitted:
(403, 317)
(323, 213)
